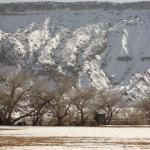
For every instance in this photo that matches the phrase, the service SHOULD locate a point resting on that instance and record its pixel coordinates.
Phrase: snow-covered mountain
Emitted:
(102, 47)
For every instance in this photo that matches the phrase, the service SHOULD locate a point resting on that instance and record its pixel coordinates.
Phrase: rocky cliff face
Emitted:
(102, 47)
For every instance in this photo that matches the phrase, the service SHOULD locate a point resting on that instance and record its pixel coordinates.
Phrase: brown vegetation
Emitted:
(27, 100)
(10, 141)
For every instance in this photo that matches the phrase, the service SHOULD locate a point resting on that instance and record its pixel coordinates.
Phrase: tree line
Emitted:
(26, 99)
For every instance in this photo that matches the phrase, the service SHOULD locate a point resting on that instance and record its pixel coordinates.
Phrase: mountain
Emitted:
(103, 44)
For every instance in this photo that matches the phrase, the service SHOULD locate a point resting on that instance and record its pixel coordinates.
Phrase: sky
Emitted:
(6, 1)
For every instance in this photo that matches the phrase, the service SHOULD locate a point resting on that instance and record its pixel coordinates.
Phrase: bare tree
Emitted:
(14, 90)
(145, 104)
(108, 101)
(144, 107)
(37, 106)
(82, 100)
(59, 106)
(56, 102)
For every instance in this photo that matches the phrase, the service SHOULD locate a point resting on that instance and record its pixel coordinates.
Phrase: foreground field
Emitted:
(74, 138)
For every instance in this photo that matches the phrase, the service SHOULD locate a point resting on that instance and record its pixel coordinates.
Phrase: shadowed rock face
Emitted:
(103, 44)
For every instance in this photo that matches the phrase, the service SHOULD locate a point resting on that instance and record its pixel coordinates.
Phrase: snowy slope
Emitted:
(101, 47)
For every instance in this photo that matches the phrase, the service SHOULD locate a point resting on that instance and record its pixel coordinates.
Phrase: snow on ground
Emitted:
(66, 148)
(76, 138)
(110, 132)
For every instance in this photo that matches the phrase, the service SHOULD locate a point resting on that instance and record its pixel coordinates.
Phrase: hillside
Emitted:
(103, 44)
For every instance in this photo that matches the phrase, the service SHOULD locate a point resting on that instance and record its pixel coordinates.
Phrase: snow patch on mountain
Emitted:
(102, 48)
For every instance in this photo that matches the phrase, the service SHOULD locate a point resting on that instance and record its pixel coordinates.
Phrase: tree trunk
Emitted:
(60, 121)
(82, 117)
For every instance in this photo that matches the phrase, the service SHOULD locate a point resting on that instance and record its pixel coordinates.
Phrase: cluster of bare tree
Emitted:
(137, 114)
(25, 99)
(144, 110)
